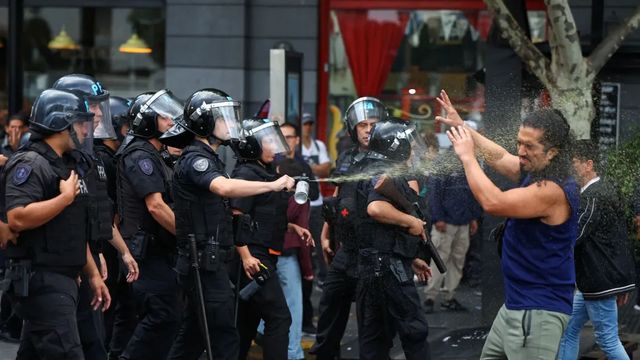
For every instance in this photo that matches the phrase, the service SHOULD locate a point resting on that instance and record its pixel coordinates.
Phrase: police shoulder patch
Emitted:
(202, 164)
(146, 166)
(22, 174)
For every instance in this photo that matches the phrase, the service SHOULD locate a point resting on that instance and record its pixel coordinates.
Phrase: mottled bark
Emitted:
(568, 76)
(576, 104)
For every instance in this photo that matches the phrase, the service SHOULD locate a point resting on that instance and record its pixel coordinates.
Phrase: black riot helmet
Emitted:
(54, 111)
(363, 109)
(260, 135)
(119, 108)
(395, 139)
(177, 136)
(97, 97)
(212, 112)
(145, 109)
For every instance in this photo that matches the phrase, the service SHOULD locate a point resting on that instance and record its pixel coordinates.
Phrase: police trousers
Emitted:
(335, 304)
(385, 304)
(219, 307)
(267, 304)
(124, 317)
(90, 324)
(156, 295)
(50, 330)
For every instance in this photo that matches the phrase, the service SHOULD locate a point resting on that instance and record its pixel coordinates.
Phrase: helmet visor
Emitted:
(177, 136)
(102, 126)
(364, 109)
(226, 116)
(165, 104)
(418, 147)
(81, 131)
(270, 138)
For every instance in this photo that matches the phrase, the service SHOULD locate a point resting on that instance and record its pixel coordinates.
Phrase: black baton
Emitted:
(203, 310)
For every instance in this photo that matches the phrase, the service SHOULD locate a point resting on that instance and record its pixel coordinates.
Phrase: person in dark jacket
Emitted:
(605, 273)
(454, 214)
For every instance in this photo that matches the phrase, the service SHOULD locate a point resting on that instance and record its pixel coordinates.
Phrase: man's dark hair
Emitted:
(293, 126)
(556, 133)
(20, 116)
(585, 150)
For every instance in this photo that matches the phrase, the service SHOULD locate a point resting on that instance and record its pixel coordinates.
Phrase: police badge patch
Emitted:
(146, 166)
(201, 164)
(22, 174)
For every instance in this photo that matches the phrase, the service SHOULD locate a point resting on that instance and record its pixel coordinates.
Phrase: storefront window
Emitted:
(96, 41)
(405, 57)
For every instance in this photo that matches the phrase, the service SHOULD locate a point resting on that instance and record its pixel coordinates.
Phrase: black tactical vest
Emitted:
(269, 212)
(101, 207)
(60, 243)
(107, 156)
(134, 216)
(348, 161)
(348, 216)
(199, 212)
(369, 232)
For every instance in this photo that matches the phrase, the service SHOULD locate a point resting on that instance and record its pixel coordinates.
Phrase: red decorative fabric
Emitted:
(371, 45)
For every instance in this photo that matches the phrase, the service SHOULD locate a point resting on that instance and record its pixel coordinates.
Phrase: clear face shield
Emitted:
(270, 139)
(81, 132)
(417, 160)
(165, 104)
(365, 109)
(228, 123)
(102, 125)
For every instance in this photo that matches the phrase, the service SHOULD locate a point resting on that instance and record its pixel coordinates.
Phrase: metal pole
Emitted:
(14, 55)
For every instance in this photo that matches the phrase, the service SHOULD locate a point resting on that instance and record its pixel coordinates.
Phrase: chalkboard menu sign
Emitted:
(609, 115)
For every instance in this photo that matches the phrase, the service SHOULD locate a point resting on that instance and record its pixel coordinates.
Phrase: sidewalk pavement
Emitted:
(449, 334)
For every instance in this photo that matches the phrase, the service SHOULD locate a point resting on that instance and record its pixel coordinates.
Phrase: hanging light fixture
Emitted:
(135, 45)
(63, 42)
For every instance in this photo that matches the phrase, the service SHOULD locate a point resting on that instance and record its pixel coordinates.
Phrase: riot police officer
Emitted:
(388, 239)
(268, 213)
(147, 223)
(119, 108)
(47, 195)
(340, 284)
(201, 189)
(98, 150)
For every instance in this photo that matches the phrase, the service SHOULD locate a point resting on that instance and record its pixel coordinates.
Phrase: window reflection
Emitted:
(94, 37)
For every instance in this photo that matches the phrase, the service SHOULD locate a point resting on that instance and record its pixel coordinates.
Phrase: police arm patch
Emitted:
(146, 166)
(201, 164)
(22, 174)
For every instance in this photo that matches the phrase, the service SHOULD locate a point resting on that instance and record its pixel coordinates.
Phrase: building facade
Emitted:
(404, 51)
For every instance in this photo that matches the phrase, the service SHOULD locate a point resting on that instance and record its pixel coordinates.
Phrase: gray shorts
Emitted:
(525, 334)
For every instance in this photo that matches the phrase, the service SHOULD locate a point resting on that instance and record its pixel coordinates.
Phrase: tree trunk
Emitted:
(576, 104)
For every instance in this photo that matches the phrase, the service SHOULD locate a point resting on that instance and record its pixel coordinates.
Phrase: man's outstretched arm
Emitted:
(495, 155)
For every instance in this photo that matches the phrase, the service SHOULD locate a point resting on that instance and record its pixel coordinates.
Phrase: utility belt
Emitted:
(16, 277)
(143, 244)
(210, 258)
(138, 244)
(372, 263)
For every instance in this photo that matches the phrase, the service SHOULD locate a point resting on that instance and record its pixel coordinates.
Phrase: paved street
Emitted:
(446, 342)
